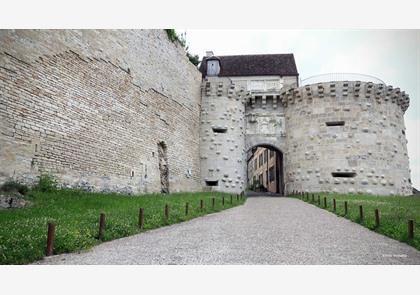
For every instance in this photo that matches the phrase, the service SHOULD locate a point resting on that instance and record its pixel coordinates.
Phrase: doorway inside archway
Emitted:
(265, 172)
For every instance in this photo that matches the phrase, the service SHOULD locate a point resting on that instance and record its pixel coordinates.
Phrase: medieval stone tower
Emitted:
(222, 133)
(346, 137)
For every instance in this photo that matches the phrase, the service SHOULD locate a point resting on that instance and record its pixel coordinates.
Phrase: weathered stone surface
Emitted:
(351, 147)
(90, 106)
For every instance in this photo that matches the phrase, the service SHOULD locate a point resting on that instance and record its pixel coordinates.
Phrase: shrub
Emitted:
(14, 186)
(194, 59)
(174, 37)
(46, 183)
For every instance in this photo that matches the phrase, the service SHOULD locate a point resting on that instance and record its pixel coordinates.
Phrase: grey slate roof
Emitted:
(255, 65)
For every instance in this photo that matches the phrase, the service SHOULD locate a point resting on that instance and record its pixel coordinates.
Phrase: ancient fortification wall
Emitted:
(352, 129)
(223, 157)
(92, 106)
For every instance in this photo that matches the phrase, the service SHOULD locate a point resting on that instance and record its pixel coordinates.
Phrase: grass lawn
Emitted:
(23, 232)
(394, 213)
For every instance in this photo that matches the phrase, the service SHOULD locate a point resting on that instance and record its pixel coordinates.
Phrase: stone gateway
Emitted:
(125, 111)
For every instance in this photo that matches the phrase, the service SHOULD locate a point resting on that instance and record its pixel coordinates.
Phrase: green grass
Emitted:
(394, 212)
(23, 232)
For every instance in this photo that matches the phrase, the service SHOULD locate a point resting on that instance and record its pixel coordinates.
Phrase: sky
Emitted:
(391, 55)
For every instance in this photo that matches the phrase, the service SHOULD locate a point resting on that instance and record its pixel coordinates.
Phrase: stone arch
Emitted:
(279, 158)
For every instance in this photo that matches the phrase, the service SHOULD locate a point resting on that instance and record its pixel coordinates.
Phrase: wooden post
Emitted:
(345, 208)
(213, 201)
(325, 202)
(166, 213)
(361, 212)
(50, 239)
(201, 205)
(186, 208)
(231, 199)
(313, 198)
(141, 218)
(223, 201)
(319, 200)
(334, 205)
(101, 226)
(377, 221)
(411, 229)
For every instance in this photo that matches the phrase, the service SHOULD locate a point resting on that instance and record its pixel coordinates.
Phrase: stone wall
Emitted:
(364, 145)
(91, 107)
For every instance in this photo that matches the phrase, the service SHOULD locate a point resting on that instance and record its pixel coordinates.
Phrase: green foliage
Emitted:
(46, 183)
(23, 232)
(14, 186)
(174, 37)
(194, 59)
(395, 211)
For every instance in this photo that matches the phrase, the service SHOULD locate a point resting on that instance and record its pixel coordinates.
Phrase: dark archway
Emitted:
(163, 167)
(265, 169)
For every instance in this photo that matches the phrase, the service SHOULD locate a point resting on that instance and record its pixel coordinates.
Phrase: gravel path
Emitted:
(263, 231)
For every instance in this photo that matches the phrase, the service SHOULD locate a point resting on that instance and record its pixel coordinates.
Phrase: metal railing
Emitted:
(330, 77)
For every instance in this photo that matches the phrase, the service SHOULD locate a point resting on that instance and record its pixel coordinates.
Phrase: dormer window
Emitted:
(213, 66)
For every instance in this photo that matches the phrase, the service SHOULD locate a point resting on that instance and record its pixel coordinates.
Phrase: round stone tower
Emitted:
(222, 136)
(346, 137)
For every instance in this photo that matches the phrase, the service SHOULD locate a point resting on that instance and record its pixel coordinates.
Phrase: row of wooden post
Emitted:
(361, 213)
(51, 226)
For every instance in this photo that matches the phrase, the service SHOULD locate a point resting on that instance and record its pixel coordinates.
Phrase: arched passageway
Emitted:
(265, 169)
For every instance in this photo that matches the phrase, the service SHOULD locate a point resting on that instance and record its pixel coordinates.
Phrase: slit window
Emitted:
(219, 130)
(343, 174)
(335, 123)
(212, 182)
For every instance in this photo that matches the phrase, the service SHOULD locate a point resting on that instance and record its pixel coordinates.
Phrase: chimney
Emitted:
(209, 53)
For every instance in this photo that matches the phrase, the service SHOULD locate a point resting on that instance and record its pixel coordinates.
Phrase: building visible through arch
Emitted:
(265, 171)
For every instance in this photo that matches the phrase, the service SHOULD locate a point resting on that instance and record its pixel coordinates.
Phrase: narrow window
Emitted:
(403, 132)
(212, 182)
(335, 123)
(219, 130)
(343, 174)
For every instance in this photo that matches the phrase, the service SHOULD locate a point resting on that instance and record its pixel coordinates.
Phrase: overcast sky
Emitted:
(391, 55)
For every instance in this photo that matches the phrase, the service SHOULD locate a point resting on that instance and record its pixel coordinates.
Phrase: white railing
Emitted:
(330, 77)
